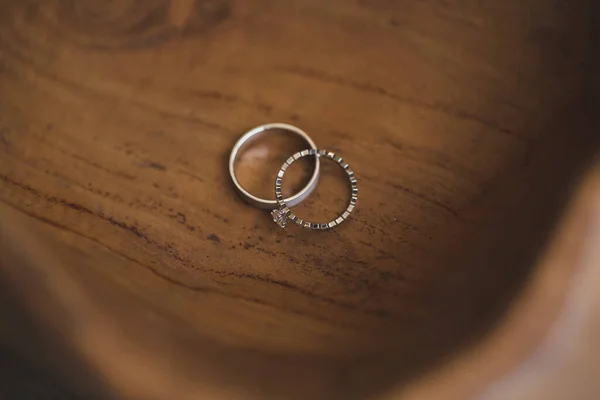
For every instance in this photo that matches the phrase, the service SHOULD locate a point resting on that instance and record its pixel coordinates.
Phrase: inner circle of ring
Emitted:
(266, 204)
(283, 207)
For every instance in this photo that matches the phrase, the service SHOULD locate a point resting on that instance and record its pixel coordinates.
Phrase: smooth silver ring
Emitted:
(266, 204)
(282, 213)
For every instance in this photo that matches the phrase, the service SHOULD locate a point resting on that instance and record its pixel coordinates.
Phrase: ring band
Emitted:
(282, 214)
(267, 204)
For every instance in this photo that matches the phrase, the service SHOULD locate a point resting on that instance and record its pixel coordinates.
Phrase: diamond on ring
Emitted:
(279, 217)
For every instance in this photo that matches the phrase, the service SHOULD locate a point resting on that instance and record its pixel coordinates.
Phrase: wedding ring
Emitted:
(267, 204)
(282, 214)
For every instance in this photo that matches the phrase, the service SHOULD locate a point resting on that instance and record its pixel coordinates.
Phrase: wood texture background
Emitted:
(465, 123)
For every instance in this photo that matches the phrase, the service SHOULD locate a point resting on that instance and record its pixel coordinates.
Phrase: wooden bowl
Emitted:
(131, 268)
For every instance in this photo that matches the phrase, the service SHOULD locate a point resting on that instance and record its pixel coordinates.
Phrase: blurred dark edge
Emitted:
(23, 375)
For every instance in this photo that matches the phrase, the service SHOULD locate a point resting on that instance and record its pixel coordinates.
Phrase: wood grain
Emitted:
(465, 123)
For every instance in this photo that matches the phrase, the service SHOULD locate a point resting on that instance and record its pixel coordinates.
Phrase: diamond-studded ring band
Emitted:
(282, 214)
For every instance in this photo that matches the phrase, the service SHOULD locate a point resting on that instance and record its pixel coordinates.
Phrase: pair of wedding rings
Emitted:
(280, 207)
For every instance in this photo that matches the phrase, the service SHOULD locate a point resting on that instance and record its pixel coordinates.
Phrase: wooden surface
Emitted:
(465, 125)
